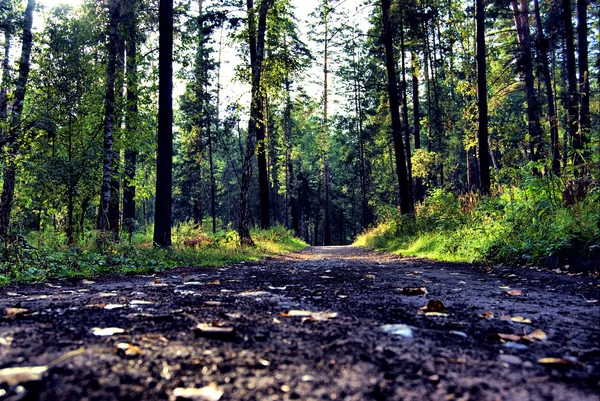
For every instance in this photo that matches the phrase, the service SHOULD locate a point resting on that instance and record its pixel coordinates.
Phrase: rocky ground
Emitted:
(326, 323)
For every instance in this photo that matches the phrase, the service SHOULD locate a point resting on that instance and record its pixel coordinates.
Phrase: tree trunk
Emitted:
(164, 154)
(14, 133)
(291, 193)
(482, 104)
(416, 118)
(405, 107)
(109, 111)
(584, 81)
(4, 89)
(543, 54)
(213, 184)
(256, 40)
(326, 211)
(572, 103)
(131, 112)
(263, 172)
(406, 202)
(533, 108)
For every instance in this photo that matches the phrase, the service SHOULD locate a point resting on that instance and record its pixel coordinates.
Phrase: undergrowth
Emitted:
(524, 222)
(43, 255)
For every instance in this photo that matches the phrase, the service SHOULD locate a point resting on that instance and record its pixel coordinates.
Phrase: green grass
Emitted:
(93, 256)
(523, 224)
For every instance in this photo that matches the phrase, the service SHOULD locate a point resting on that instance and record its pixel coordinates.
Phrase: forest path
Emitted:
(325, 323)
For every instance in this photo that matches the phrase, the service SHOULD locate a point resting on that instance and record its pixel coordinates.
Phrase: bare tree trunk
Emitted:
(326, 211)
(131, 125)
(572, 103)
(543, 54)
(164, 154)
(482, 105)
(405, 106)
(256, 38)
(109, 111)
(14, 134)
(416, 119)
(533, 109)
(406, 201)
(584, 80)
(4, 89)
(114, 213)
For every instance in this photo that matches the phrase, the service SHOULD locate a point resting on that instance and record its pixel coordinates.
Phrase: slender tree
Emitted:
(533, 110)
(109, 115)
(584, 81)
(482, 103)
(15, 129)
(543, 56)
(572, 99)
(406, 201)
(131, 118)
(256, 41)
(164, 153)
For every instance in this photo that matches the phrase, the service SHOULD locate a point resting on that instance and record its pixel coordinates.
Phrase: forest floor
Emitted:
(325, 323)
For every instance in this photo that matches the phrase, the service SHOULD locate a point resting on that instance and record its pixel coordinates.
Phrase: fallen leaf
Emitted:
(413, 291)
(401, 330)
(296, 313)
(213, 331)
(504, 287)
(107, 294)
(486, 315)
(521, 319)
(139, 302)
(514, 293)
(504, 337)
(211, 304)
(15, 376)
(369, 276)
(13, 313)
(208, 393)
(556, 362)
(107, 331)
(308, 316)
(436, 314)
(129, 349)
(87, 282)
(114, 306)
(536, 335)
(433, 306)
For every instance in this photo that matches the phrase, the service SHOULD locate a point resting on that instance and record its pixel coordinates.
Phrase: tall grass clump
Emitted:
(42, 255)
(528, 220)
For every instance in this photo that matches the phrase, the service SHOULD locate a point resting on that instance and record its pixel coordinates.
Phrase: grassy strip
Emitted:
(51, 258)
(525, 225)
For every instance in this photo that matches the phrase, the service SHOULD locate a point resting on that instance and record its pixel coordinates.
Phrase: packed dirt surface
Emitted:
(326, 323)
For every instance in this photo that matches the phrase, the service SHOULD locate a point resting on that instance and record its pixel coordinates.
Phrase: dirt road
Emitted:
(327, 323)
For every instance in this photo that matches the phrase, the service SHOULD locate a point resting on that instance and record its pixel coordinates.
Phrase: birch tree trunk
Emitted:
(109, 111)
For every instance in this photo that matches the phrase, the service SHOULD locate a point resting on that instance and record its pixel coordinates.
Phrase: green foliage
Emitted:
(46, 255)
(522, 224)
